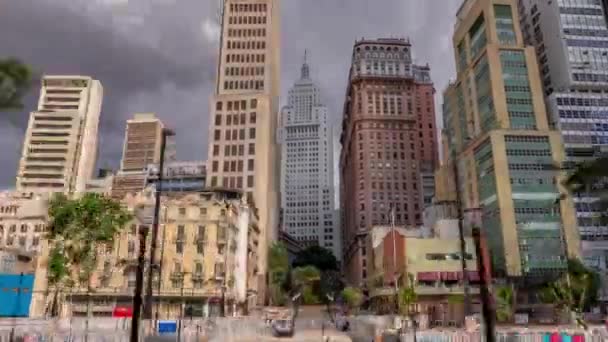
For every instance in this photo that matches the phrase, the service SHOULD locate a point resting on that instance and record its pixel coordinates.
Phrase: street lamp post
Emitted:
(139, 284)
(153, 246)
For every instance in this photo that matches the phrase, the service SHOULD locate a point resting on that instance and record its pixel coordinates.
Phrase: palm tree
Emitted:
(15, 80)
(77, 228)
(573, 292)
(505, 303)
(407, 297)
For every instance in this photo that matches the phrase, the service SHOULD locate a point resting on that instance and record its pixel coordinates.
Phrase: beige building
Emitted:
(60, 145)
(244, 111)
(142, 147)
(436, 268)
(23, 219)
(506, 155)
(207, 242)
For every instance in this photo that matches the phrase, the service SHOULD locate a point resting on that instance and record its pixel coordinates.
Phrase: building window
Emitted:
(218, 105)
(250, 181)
(217, 135)
(250, 165)
(182, 211)
(252, 133)
(253, 103)
(216, 150)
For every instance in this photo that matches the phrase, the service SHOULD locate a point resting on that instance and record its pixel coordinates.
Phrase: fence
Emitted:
(501, 336)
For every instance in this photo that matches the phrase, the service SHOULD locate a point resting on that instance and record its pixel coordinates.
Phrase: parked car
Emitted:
(282, 328)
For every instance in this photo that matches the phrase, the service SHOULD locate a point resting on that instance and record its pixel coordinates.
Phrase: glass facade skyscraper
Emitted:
(499, 138)
(571, 42)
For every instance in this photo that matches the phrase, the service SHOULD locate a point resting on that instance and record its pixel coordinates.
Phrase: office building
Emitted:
(60, 145)
(142, 147)
(307, 182)
(505, 153)
(208, 242)
(571, 42)
(243, 153)
(388, 141)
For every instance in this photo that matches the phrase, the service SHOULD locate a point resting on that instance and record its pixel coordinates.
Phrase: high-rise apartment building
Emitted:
(307, 182)
(571, 42)
(60, 146)
(388, 142)
(243, 152)
(505, 153)
(142, 147)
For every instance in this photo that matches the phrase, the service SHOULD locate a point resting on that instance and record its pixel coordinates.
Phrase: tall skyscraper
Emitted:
(60, 146)
(307, 182)
(243, 152)
(571, 41)
(505, 153)
(141, 147)
(388, 142)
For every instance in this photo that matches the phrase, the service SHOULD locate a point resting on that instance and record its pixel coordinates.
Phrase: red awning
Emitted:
(427, 276)
(473, 276)
(122, 311)
(449, 276)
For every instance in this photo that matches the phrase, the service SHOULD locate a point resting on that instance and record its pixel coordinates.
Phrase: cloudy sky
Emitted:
(159, 56)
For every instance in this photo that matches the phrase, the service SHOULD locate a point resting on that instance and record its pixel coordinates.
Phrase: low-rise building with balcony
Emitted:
(435, 267)
(207, 250)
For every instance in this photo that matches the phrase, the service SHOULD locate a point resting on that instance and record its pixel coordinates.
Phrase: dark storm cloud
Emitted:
(159, 55)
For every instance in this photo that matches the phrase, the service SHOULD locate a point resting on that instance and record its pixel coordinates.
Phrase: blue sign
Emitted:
(167, 327)
(15, 294)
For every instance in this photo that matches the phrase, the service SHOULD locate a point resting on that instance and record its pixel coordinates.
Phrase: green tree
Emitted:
(353, 298)
(15, 80)
(573, 292)
(305, 278)
(279, 273)
(77, 228)
(321, 258)
(407, 297)
(330, 287)
(590, 178)
(505, 303)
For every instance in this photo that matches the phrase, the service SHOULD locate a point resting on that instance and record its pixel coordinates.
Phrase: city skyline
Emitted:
(175, 89)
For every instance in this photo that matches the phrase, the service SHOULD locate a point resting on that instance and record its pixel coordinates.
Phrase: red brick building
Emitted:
(388, 140)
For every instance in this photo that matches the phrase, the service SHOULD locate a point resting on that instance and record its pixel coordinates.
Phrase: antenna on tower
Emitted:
(220, 11)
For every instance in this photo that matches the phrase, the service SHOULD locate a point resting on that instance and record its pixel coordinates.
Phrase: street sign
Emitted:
(167, 327)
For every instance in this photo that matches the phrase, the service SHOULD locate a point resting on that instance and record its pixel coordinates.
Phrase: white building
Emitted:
(571, 40)
(60, 146)
(23, 218)
(307, 167)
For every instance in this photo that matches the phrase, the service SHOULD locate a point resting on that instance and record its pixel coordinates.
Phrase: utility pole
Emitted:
(139, 284)
(393, 231)
(459, 206)
(487, 309)
(159, 189)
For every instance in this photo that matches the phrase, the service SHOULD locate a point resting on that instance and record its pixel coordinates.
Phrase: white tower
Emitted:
(307, 182)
